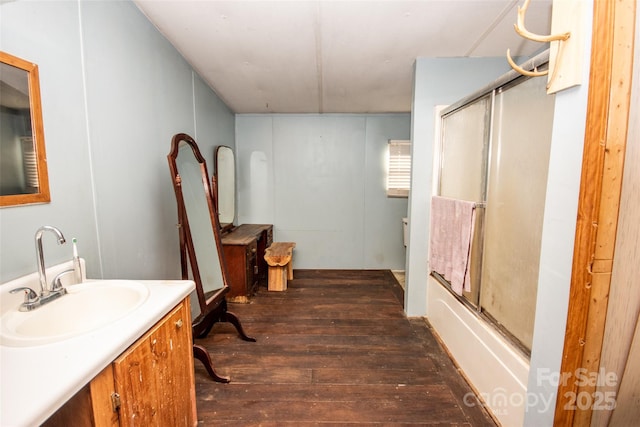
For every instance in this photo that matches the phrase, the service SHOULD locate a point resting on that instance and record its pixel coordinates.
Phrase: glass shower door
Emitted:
(516, 189)
(463, 170)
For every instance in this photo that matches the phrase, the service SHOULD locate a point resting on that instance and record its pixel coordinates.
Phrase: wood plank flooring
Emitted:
(335, 348)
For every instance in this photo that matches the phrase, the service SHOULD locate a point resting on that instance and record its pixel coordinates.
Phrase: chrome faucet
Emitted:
(44, 286)
(31, 299)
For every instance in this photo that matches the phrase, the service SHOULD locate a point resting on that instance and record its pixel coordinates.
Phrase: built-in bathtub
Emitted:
(493, 366)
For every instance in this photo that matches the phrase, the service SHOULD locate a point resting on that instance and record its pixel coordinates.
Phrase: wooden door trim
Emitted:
(598, 205)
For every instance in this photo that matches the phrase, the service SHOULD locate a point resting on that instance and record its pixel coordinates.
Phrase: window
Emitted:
(399, 168)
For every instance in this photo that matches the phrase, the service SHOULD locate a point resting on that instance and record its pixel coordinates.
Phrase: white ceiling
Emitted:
(340, 56)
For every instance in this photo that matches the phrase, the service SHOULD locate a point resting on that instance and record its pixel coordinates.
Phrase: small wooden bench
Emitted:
(279, 258)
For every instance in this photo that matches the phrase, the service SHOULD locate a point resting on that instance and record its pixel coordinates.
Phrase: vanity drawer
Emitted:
(252, 266)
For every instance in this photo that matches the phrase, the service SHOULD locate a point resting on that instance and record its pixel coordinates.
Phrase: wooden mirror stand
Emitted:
(202, 249)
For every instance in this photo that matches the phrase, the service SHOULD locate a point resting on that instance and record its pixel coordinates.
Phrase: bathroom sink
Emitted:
(85, 308)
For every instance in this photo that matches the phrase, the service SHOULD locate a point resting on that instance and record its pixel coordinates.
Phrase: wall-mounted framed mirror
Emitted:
(225, 184)
(23, 162)
(200, 244)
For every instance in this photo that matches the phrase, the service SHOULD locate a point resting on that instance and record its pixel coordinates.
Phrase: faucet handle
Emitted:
(29, 294)
(56, 285)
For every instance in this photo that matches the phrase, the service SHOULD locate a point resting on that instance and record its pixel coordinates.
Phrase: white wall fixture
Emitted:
(566, 47)
(566, 58)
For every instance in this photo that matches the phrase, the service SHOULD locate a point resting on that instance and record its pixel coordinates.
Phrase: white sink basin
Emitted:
(85, 308)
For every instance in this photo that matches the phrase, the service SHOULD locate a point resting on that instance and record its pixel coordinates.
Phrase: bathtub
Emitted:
(494, 367)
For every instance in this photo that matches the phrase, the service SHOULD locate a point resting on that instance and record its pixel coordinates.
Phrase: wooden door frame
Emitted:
(598, 205)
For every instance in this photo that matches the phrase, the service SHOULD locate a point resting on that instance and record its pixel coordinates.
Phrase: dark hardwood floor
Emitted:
(335, 348)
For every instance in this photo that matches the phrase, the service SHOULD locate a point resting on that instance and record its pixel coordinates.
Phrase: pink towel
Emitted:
(452, 224)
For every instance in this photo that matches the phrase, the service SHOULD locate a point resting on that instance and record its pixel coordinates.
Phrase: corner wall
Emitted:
(321, 180)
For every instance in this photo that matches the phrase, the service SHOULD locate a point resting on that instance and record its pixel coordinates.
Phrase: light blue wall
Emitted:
(320, 179)
(114, 92)
(47, 33)
(437, 81)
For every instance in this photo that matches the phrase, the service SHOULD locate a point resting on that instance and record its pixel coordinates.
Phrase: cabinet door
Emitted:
(155, 376)
(236, 258)
(241, 269)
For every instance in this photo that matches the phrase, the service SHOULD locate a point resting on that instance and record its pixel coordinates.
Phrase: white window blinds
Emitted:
(30, 163)
(399, 168)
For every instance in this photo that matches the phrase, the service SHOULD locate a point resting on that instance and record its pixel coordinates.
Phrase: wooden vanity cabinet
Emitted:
(151, 383)
(243, 249)
(155, 376)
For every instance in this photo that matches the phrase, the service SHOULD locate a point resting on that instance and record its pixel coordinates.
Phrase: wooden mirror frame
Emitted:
(187, 248)
(37, 133)
(213, 308)
(216, 185)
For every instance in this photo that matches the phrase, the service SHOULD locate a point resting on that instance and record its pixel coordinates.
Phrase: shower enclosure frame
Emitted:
(474, 300)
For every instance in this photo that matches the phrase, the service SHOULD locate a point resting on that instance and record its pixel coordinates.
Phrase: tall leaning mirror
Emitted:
(225, 178)
(200, 247)
(23, 162)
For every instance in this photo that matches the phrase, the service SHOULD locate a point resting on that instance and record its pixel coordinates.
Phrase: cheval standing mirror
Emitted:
(200, 246)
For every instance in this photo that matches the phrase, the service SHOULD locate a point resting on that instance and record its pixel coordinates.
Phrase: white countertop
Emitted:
(36, 381)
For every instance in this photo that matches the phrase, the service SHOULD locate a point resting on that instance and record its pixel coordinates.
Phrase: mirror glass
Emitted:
(197, 212)
(23, 167)
(225, 171)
